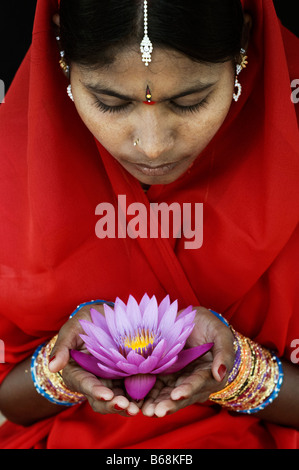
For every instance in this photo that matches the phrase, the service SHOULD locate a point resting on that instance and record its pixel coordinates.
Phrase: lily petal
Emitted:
(122, 322)
(163, 307)
(186, 311)
(166, 366)
(109, 373)
(102, 358)
(150, 315)
(173, 334)
(188, 355)
(188, 318)
(90, 364)
(116, 355)
(86, 361)
(97, 333)
(185, 334)
(99, 320)
(135, 358)
(128, 368)
(174, 351)
(148, 365)
(143, 303)
(109, 315)
(133, 311)
(89, 341)
(139, 385)
(120, 302)
(168, 319)
(159, 349)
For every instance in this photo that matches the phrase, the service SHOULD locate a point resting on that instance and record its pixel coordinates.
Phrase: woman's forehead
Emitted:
(167, 66)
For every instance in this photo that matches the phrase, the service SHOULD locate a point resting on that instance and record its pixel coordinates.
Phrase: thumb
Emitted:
(60, 354)
(223, 359)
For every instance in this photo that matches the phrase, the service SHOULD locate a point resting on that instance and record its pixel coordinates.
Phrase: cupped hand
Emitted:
(104, 396)
(206, 375)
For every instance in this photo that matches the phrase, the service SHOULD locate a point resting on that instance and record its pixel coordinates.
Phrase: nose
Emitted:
(155, 135)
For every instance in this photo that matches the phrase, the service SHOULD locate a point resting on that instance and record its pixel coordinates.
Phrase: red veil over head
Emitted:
(54, 174)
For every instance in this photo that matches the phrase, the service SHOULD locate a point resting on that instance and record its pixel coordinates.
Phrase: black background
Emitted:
(16, 20)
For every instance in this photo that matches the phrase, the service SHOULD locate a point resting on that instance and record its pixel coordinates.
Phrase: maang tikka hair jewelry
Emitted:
(146, 45)
(239, 68)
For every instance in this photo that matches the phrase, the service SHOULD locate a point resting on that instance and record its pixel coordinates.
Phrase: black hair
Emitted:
(93, 31)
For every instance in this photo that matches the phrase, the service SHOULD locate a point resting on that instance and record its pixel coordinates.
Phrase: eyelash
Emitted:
(124, 107)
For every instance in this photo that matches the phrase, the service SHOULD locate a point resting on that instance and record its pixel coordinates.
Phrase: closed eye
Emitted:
(126, 106)
(111, 109)
(191, 108)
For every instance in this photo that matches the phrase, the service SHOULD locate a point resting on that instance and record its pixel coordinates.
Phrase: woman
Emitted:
(171, 121)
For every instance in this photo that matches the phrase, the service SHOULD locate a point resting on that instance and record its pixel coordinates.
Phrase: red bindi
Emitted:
(148, 96)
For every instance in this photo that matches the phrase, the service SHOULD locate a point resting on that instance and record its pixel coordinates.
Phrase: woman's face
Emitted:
(191, 102)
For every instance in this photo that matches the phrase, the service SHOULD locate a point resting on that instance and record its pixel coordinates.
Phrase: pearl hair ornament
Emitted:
(146, 46)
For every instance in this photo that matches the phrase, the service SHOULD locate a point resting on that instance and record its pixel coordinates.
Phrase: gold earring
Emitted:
(239, 67)
(65, 67)
(244, 61)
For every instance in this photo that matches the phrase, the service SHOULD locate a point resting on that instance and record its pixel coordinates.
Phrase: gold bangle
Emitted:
(50, 384)
(257, 381)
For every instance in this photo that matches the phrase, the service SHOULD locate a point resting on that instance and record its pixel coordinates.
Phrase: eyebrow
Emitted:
(102, 90)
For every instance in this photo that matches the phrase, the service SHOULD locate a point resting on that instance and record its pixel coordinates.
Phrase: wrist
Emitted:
(255, 380)
(50, 384)
(91, 302)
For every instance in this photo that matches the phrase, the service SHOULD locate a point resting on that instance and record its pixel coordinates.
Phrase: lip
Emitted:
(156, 170)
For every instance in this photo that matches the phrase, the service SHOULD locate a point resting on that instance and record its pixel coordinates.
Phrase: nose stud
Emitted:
(136, 142)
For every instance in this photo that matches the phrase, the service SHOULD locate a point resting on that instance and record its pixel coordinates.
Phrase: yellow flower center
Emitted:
(141, 341)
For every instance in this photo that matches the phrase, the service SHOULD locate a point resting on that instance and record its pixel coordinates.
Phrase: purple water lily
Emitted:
(138, 342)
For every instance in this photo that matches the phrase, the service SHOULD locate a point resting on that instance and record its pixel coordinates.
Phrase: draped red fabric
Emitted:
(54, 174)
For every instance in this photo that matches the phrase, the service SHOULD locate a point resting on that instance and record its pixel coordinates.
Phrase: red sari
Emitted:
(54, 174)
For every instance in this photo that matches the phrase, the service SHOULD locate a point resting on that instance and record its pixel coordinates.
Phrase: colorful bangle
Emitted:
(91, 302)
(255, 379)
(51, 385)
(220, 317)
(48, 384)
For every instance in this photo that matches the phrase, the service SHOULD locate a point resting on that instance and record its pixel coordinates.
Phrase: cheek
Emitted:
(200, 131)
(102, 126)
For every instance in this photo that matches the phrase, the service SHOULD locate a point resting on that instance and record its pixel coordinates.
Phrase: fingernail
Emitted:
(181, 398)
(222, 372)
(52, 359)
(118, 408)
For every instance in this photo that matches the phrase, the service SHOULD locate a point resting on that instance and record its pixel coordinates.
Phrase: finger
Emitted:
(68, 338)
(122, 405)
(188, 386)
(224, 354)
(164, 408)
(86, 383)
(148, 408)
